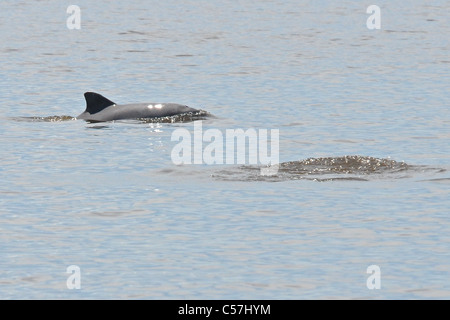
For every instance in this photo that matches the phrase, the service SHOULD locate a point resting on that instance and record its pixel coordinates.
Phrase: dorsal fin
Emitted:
(96, 102)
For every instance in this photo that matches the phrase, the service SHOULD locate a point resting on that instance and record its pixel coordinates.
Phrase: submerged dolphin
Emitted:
(98, 108)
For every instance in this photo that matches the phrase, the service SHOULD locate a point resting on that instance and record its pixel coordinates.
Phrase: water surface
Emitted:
(107, 197)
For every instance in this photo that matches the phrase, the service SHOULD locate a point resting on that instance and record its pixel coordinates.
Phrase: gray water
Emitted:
(107, 197)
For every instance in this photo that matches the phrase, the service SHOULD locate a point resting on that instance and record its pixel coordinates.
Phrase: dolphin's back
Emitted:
(99, 108)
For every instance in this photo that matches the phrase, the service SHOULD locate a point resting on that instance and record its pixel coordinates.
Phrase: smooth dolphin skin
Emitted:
(99, 108)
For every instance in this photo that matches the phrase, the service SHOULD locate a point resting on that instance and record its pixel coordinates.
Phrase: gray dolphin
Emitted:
(98, 108)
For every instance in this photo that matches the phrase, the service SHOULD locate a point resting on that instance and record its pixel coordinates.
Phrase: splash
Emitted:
(357, 165)
(350, 167)
(184, 117)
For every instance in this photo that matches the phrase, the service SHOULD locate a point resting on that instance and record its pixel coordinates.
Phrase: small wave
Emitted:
(45, 119)
(439, 180)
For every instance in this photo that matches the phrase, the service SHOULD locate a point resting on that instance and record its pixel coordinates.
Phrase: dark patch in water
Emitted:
(349, 168)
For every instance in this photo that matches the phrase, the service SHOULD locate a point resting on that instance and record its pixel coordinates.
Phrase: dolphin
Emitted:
(99, 108)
